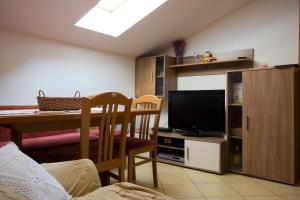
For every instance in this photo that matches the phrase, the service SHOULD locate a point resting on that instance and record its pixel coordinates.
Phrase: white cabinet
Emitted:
(202, 155)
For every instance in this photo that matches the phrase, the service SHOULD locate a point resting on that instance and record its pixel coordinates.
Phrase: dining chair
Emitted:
(144, 140)
(115, 111)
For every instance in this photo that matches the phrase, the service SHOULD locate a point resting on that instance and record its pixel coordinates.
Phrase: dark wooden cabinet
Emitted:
(270, 132)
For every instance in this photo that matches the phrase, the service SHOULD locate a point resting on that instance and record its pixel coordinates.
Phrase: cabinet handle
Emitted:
(188, 153)
(152, 77)
(247, 123)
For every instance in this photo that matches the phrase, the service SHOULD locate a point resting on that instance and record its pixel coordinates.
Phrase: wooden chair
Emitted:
(144, 142)
(107, 158)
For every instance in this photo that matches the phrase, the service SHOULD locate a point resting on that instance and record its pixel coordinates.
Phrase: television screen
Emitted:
(197, 110)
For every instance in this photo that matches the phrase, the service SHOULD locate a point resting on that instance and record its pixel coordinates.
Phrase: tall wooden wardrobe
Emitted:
(271, 123)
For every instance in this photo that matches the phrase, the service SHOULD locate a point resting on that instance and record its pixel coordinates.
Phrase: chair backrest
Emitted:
(115, 110)
(148, 102)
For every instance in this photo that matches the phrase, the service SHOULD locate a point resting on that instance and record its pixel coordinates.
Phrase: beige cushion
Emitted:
(78, 177)
(26, 178)
(124, 191)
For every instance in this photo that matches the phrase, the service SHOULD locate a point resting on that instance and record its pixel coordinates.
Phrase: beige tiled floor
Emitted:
(188, 184)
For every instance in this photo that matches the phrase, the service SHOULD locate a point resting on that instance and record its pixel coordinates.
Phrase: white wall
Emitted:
(271, 27)
(28, 64)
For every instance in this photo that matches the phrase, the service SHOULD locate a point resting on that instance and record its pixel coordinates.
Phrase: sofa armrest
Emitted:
(78, 177)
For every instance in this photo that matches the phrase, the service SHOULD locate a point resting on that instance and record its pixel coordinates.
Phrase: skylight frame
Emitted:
(117, 21)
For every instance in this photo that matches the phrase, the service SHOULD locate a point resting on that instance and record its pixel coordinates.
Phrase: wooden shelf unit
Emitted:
(234, 122)
(268, 146)
(191, 150)
(211, 64)
(153, 76)
(233, 60)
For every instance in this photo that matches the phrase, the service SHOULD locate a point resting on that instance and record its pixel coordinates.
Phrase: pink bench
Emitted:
(51, 146)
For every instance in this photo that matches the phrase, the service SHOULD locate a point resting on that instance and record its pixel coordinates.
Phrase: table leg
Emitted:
(16, 137)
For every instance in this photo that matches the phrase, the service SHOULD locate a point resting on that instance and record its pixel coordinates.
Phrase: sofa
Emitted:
(89, 187)
(21, 178)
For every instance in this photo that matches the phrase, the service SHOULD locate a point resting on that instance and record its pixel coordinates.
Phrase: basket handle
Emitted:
(41, 93)
(77, 93)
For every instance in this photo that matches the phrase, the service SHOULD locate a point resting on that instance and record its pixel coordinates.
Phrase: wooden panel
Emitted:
(18, 107)
(212, 68)
(268, 140)
(145, 76)
(170, 76)
(217, 140)
(225, 56)
(296, 122)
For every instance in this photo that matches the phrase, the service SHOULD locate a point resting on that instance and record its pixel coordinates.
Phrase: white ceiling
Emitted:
(55, 19)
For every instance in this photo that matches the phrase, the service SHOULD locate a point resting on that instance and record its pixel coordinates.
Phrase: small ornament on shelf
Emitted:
(208, 57)
(237, 93)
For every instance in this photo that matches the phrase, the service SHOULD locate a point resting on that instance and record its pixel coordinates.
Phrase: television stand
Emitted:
(203, 153)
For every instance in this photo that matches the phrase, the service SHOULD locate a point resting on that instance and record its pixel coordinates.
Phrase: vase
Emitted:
(178, 59)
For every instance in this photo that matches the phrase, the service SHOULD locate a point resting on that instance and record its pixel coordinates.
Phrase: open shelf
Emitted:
(235, 104)
(236, 137)
(235, 122)
(211, 63)
(170, 147)
(170, 162)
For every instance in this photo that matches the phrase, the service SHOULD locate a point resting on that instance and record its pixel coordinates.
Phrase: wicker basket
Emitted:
(59, 103)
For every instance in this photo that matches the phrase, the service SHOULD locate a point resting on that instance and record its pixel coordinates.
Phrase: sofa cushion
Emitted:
(4, 134)
(47, 133)
(132, 143)
(22, 175)
(95, 131)
(4, 143)
(53, 140)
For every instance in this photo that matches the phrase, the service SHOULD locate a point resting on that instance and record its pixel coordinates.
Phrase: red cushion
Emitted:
(4, 134)
(3, 143)
(46, 133)
(53, 140)
(95, 131)
(133, 143)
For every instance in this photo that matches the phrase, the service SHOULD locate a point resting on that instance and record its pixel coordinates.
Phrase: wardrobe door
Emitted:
(268, 146)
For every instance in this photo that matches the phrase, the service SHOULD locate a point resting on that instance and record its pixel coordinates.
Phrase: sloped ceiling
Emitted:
(55, 19)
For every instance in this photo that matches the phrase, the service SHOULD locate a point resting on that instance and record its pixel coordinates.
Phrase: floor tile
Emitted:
(203, 177)
(178, 178)
(163, 168)
(250, 189)
(145, 179)
(182, 191)
(195, 198)
(217, 190)
(290, 197)
(263, 198)
(224, 198)
(281, 189)
(236, 178)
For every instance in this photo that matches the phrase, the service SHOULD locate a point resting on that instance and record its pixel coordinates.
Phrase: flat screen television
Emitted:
(200, 111)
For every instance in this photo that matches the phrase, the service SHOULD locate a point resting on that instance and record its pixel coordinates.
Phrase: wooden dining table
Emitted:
(33, 120)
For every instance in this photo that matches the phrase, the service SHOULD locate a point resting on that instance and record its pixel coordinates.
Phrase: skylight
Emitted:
(114, 17)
